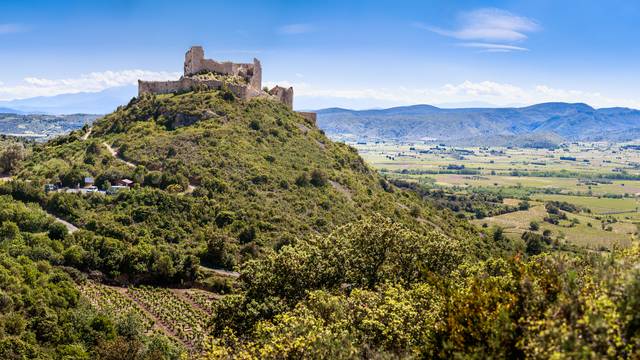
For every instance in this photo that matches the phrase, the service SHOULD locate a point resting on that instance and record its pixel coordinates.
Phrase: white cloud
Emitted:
(92, 82)
(12, 28)
(494, 47)
(483, 89)
(490, 92)
(495, 30)
(295, 29)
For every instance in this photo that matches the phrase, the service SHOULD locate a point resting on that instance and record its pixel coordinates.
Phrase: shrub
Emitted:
(302, 180)
(318, 178)
(255, 125)
(57, 231)
(535, 244)
(534, 226)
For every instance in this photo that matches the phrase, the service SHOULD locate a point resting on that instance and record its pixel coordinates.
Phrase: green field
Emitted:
(603, 179)
(591, 237)
(597, 205)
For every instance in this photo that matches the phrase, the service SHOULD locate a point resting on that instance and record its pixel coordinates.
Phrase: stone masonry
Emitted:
(201, 73)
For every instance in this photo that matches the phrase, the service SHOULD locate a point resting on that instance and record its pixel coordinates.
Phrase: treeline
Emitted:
(479, 203)
(522, 173)
(460, 171)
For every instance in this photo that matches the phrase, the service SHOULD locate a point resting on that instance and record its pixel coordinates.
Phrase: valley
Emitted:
(601, 179)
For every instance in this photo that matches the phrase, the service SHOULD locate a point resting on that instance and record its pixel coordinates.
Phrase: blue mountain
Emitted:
(552, 121)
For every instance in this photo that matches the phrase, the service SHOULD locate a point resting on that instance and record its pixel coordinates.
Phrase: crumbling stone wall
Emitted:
(195, 63)
(284, 95)
(188, 84)
(311, 117)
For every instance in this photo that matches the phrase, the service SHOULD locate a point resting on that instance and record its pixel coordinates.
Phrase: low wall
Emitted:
(187, 84)
(310, 116)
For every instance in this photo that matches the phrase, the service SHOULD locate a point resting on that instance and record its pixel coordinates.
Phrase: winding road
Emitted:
(72, 228)
(114, 153)
(87, 134)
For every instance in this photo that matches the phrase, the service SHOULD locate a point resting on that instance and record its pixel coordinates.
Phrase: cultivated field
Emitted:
(602, 179)
(181, 314)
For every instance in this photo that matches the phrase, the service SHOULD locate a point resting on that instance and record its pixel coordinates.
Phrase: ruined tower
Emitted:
(243, 79)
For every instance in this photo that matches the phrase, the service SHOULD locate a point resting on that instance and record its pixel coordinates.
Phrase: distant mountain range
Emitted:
(4, 110)
(541, 125)
(538, 125)
(102, 102)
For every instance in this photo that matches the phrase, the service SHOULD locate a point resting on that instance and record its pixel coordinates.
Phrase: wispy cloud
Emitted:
(490, 29)
(91, 82)
(295, 29)
(494, 47)
(12, 28)
(490, 92)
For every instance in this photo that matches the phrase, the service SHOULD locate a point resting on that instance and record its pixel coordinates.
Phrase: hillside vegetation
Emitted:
(218, 181)
(333, 260)
(42, 315)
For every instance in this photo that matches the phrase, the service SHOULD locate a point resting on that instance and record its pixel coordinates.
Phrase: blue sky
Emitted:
(358, 54)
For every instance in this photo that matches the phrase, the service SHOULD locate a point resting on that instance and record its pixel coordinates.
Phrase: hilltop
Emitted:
(548, 122)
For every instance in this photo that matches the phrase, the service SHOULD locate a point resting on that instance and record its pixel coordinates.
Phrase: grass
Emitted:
(597, 205)
(591, 237)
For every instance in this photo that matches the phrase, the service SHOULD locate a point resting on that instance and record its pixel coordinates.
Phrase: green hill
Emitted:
(218, 181)
(348, 266)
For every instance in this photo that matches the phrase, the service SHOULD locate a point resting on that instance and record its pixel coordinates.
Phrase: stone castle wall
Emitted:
(310, 116)
(195, 63)
(188, 84)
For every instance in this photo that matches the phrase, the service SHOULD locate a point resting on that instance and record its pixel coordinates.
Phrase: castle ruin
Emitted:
(244, 80)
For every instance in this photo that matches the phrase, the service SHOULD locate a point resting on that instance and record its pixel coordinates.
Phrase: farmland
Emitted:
(181, 314)
(601, 179)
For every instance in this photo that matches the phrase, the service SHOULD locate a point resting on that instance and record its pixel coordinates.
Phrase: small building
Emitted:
(124, 182)
(88, 181)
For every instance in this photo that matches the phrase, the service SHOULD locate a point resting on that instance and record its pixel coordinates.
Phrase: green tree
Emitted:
(11, 156)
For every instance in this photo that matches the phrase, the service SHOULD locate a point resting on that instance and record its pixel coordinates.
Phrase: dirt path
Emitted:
(221, 272)
(115, 154)
(87, 134)
(190, 189)
(72, 228)
(341, 189)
